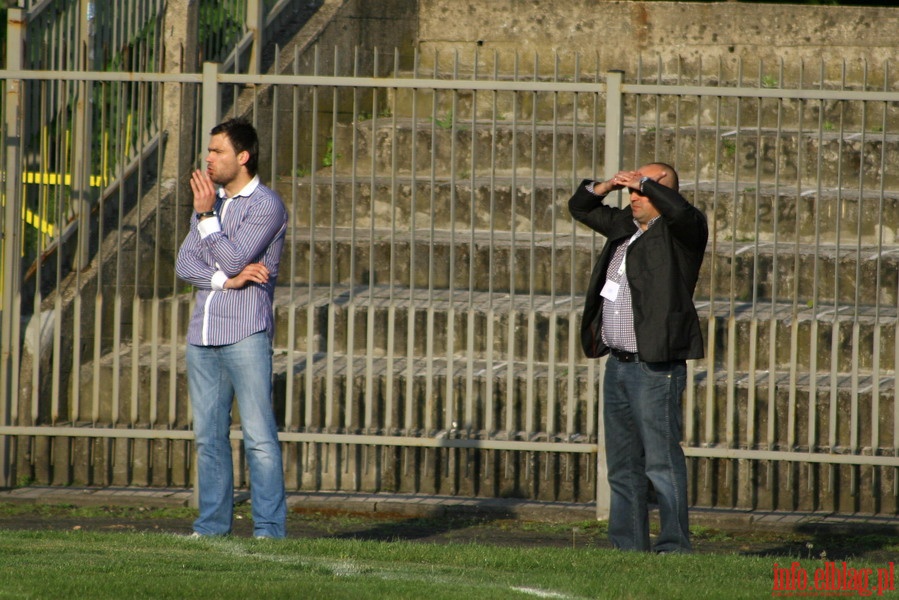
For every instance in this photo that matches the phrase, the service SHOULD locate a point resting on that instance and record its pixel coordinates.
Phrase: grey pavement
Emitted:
(420, 505)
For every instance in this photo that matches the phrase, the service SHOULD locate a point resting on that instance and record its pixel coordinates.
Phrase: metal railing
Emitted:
(430, 289)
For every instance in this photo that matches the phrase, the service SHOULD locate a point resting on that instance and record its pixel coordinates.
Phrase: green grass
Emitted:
(72, 564)
(136, 565)
(76, 560)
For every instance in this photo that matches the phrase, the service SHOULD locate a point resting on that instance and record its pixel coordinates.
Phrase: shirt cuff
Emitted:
(218, 281)
(589, 187)
(208, 226)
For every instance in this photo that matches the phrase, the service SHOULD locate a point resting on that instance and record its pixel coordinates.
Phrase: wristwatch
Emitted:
(208, 213)
(643, 180)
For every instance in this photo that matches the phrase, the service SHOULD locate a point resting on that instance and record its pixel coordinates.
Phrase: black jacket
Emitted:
(662, 269)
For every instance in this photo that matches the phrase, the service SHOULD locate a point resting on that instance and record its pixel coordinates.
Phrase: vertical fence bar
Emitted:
(429, 422)
(530, 383)
(373, 266)
(879, 310)
(512, 317)
(290, 423)
(323, 419)
(615, 91)
(10, 279)
(386, 420)
(449, 394)
(487, 420)
(408, 422)
(467, 411)
(549, 422)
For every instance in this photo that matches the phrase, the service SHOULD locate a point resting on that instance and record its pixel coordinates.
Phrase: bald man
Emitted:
(639, 310)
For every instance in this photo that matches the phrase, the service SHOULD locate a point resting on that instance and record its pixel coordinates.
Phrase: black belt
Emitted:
(625, 356)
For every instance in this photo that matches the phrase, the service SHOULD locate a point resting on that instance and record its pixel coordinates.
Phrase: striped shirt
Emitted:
(249, 228)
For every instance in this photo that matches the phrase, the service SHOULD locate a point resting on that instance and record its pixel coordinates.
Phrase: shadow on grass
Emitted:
(837, 542)
(472, 525)
(434, 528)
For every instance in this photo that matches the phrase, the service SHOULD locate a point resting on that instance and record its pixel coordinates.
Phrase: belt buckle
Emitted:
(624, 356)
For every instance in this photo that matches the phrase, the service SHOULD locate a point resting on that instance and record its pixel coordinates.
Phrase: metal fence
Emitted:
(430, 288)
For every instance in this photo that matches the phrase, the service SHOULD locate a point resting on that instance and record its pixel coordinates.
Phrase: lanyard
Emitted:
(622, 269)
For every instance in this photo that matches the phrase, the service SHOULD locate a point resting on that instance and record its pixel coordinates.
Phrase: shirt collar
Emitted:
(652, 222)
(245, 191)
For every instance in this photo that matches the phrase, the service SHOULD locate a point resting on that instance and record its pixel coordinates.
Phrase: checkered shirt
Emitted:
(618, 316)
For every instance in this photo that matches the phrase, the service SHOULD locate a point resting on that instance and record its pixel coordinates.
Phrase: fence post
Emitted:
(11, 246)
(180, 43)
(81, 138)
(256, 24)
(614, 122)
(611, 165)
(211, 107)
(211, 102)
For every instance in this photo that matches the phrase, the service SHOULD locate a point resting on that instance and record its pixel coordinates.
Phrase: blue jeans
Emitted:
(643, 427)
(215, 374)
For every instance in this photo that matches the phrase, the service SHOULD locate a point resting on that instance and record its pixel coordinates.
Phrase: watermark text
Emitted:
(832, 579)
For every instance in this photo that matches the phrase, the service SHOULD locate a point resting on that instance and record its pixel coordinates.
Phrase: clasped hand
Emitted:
(252, 273)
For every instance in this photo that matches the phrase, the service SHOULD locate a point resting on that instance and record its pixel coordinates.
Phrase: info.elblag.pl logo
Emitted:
(833, 580)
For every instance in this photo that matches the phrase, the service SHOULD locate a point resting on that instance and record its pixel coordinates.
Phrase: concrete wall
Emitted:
(618, 33)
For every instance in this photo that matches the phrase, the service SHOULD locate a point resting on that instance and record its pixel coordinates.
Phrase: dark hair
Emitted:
(243, 137)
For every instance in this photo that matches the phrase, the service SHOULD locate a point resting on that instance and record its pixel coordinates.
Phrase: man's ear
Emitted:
(243, 157)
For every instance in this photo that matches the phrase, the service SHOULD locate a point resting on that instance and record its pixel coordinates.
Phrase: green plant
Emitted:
(730, 147)
(329, 157)
(769, 81)
(445, 122)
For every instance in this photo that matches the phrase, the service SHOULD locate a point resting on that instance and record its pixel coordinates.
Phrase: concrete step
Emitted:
(566, 107)
(527, 202)
(378, 322)
(849, 413)
(738, 211)
(781, 410)
(753, 154)
(777, 410)
(780, 336)
(438, 259)
(560, 265)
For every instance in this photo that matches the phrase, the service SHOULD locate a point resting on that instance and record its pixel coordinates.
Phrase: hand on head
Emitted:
(631, 179)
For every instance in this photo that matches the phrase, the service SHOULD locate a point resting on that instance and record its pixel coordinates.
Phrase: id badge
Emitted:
(610, 290)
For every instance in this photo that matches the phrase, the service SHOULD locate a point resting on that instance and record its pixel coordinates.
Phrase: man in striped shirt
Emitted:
(231, 256)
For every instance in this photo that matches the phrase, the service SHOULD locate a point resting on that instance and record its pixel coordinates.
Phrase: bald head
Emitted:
(669, 175)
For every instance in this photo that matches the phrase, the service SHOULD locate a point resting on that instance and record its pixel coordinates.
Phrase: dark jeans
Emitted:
(643, 428)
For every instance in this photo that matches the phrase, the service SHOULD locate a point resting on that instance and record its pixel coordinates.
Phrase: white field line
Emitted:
(541, 593)
(349, 568)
